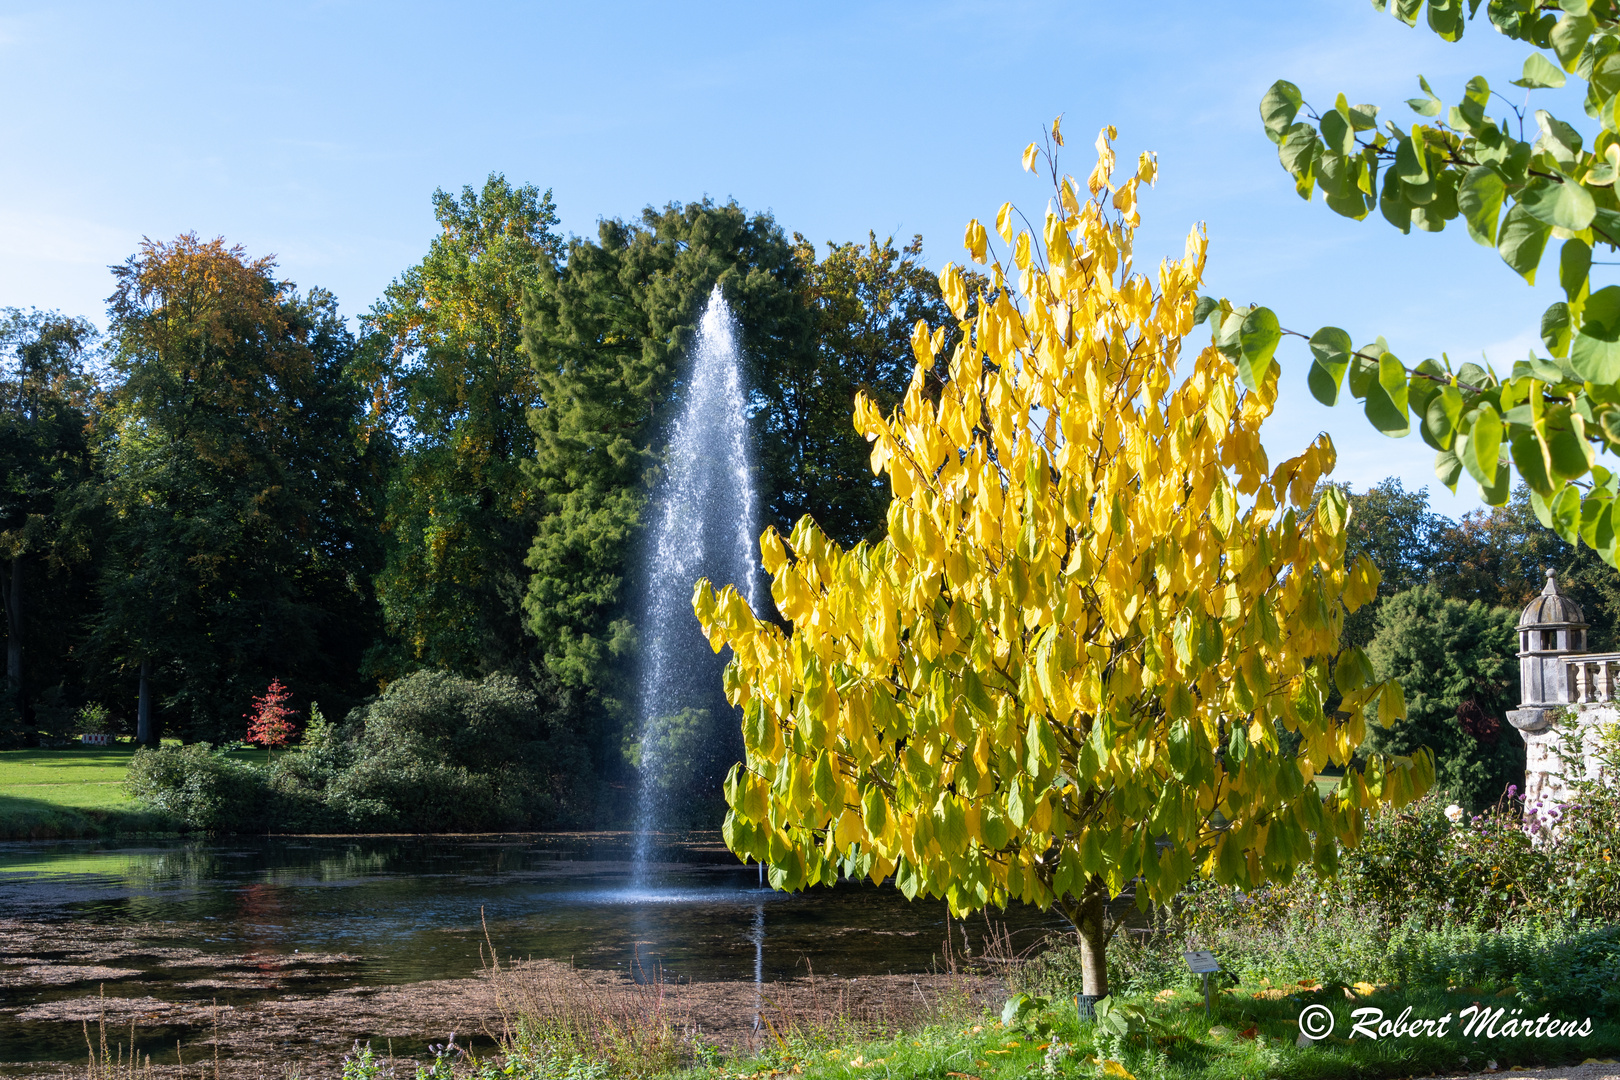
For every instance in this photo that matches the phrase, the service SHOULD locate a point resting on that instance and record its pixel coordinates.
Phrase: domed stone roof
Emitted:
(1551, 608)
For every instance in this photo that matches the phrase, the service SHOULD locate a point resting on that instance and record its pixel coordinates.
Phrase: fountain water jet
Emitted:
(702, 526)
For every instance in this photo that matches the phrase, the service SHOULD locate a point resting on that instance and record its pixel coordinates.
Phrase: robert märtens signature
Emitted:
(1476, 1021)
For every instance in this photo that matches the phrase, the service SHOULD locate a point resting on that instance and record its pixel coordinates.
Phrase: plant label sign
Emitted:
(1200, 962)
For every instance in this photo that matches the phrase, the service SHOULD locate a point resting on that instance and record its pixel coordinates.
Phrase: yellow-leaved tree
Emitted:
(1069, 666)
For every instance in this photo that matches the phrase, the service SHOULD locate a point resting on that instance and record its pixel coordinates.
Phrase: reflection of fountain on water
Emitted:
(702, 526)
(758, 936)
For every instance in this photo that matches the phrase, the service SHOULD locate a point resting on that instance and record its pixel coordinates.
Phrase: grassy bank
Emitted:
(1252, 1031)
(567, 1029)
(562, 1024)
(75, 792)
(1248, 1035)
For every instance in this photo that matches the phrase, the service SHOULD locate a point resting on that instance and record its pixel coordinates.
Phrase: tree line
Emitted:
(234, 485)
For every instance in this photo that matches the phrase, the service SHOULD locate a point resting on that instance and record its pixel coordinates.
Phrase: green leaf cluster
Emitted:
(1518, 182)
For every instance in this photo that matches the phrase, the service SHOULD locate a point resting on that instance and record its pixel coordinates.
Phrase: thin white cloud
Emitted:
(54, 238)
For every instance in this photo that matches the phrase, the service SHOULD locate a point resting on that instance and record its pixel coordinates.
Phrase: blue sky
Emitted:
(318, 131)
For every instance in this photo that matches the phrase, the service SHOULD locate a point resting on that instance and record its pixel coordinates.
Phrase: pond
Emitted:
(389, 910)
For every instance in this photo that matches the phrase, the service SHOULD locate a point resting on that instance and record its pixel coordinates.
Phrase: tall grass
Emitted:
(637, 1028)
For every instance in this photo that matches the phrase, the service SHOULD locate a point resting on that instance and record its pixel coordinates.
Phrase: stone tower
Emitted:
(1550, 629)
(1557, 678)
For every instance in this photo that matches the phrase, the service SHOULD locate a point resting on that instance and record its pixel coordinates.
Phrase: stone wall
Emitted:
(1543, 728)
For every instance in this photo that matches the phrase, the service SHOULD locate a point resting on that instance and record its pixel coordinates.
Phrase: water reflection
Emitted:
(418, 907)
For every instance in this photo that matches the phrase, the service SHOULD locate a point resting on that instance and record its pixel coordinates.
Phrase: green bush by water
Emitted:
(434, 753)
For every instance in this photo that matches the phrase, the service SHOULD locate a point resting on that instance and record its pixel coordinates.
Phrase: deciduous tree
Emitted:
(270, 723)
(47, 394)
(243, 501)
(1064, 667)
(444, 363)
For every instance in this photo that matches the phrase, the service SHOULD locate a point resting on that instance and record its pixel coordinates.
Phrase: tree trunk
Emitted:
(1089, 916)
(144, 735)
(14, 638)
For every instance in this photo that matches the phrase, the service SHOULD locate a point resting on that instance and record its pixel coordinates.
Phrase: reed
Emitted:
(116, 1062)
(639, 1028)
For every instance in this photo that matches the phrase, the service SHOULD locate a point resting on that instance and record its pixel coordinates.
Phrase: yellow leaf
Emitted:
(922, 343)
(1113, 1068)
(976, 240)
(1031, 155)
(1391, 703)
(1004, 222)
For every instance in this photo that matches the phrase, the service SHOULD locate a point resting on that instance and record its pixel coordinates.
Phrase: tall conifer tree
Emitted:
(609, 336)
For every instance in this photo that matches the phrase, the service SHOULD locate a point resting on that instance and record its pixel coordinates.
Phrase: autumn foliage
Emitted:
(270, 724)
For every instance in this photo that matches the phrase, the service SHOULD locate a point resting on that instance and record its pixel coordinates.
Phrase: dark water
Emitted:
(414, 908)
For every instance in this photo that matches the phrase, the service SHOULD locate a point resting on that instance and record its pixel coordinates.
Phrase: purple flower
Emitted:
(1513, 789)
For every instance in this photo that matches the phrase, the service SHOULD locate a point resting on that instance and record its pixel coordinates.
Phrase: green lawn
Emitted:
(78, 791)
(82, 778)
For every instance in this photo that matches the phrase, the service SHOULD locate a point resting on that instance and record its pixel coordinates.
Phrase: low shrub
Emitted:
(1582, 837)
(1417, 866)
(200, 787)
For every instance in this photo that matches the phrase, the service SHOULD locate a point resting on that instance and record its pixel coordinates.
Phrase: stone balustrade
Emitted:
(1591, 678)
